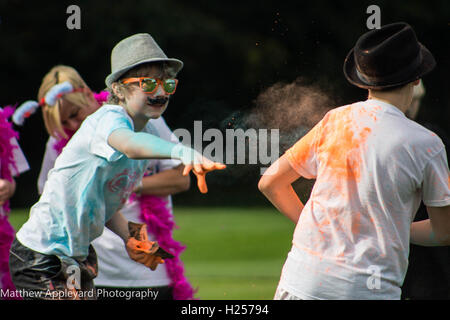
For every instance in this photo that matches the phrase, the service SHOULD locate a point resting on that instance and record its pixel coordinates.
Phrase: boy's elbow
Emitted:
(440, 221)
(130, 153)
(264, 184)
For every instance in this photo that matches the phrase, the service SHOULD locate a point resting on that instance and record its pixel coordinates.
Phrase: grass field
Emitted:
(232, 253)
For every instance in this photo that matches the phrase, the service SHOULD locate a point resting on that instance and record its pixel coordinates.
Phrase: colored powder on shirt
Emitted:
(342, 143)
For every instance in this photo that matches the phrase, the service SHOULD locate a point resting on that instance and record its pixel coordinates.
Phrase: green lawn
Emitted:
(232, 253)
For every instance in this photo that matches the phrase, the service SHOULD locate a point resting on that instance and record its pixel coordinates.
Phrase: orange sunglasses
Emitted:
(149, 85)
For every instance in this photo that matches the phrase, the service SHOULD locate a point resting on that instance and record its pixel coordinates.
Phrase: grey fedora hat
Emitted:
(133, 51)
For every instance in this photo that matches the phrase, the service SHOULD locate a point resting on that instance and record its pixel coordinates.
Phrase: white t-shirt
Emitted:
(48, 162)
(88, 184)
(373, 166)
(116, 269)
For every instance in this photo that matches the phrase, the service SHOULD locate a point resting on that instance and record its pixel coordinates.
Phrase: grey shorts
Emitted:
(50, 277)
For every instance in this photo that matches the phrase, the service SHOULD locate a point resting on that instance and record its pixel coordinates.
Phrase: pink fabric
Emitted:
(6, 148)
(61, 143)
(101, 97)
(157, 217)
(7, 232)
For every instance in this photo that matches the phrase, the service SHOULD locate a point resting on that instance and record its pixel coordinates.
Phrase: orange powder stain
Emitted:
(356, 223)
(339, 143)
(342, 142)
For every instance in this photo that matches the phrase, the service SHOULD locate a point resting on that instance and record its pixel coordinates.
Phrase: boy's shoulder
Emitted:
(403, 129)
(108, 110)
(420, 135)
(104, 119)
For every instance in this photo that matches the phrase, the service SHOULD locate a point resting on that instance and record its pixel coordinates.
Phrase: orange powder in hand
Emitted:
(144, 246)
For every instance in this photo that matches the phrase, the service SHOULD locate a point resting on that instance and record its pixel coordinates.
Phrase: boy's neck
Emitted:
(138, 122)
(139, 125)
(401, 99)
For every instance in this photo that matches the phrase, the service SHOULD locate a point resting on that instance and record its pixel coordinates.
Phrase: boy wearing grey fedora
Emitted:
(372, 167)
(52, 256)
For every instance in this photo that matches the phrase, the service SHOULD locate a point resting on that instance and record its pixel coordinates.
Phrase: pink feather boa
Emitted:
(101, 97)
(157, 217)
(6, 148)
(159, 221)
(61, 143)
(7, 232)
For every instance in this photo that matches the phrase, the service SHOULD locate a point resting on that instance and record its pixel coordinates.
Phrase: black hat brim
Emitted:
(428, 63)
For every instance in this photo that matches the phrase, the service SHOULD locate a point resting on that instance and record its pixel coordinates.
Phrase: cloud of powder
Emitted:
(293, 108)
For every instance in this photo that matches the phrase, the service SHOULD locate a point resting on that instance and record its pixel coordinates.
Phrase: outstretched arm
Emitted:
(276, 185)
(434, 231)
(140, 145)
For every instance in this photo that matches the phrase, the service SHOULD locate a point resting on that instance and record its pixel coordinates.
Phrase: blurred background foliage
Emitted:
(233, 51)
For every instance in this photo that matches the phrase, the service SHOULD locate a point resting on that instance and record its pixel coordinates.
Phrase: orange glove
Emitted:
(200, 170)
(140, 249)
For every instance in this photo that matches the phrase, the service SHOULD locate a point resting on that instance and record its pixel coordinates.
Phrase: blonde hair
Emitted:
(51, 114)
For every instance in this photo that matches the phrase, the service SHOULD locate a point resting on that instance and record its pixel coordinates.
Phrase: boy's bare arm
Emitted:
(119, 225)
(164, 183)
(140, 145)
(434, 231)
(276, 185)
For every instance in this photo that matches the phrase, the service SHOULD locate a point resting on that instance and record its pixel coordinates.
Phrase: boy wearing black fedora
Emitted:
(372, 167)
(52, 256)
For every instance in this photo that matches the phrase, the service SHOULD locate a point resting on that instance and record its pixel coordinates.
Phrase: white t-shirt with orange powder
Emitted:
(372, 167)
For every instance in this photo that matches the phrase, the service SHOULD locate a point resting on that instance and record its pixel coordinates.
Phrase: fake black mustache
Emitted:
(157, 100)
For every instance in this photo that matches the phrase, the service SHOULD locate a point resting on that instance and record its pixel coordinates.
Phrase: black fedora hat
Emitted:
(387, 57)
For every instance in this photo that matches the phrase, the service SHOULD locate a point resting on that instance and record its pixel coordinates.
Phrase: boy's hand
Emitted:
(140, 249)
(144, 252)
(200, 170)
(199, 165)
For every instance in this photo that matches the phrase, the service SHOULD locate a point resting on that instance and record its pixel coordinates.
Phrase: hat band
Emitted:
(369, 80)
